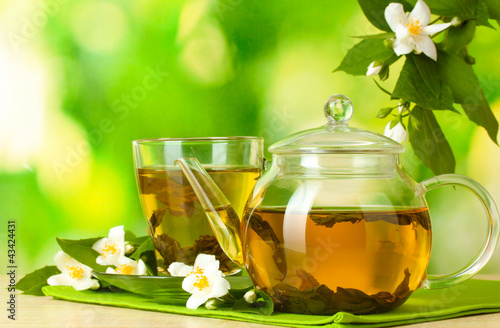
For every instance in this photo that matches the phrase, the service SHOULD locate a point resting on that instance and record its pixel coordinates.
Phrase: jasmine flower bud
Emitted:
(250, 297)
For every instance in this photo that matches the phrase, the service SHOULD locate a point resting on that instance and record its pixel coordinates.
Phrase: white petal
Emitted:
(99, 245)
(117, 235)
(395, 15)
(141, 268)
(179, 269)
(84, 283)
(203, 260)
(61, 279)
(110, 270)
(96, 284)
(373, 70)
(432, 29)
(421, 12)
(62, 260)
(397, 133)
(195, 301)
(212, 268)
(188, 283)
(427, 46)
(220, 288)
(403, 46)
(102, 260)
(402, 32)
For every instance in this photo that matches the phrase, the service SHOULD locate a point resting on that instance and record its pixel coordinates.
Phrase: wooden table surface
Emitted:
(44, 312)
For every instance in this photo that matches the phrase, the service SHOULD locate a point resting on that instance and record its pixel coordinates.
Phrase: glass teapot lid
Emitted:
(335, 136)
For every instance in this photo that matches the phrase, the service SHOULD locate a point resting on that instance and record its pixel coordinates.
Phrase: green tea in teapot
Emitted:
(177, 221)
(329, 259)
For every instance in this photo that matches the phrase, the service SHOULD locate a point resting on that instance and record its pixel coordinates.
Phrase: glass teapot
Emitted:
(335, 223)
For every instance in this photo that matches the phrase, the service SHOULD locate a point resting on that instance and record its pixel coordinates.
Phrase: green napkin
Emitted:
(471, 297)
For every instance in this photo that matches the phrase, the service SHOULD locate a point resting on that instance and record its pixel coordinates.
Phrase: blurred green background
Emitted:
(79, 80)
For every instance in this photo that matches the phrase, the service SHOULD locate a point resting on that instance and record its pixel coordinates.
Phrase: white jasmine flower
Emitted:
(205, 281)
(179, 269)
(250, 297)
(111, 248)
(373, 70)
(129, 266)
(73, 273)
(412, 31)
(129, 249)
(397, 133)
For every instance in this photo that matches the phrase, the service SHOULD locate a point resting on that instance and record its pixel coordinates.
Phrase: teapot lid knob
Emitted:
(338, 109)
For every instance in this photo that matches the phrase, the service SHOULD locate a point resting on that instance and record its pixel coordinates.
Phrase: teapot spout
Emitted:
(222, 217)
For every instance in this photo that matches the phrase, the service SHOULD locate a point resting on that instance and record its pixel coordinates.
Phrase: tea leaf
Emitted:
(208, 245)
(359, 57)
(33, 282)
(81, 250)
(168, 248)
(264, 230)
(429, 142)
(322, 300)
(336, 217)
(308, 281)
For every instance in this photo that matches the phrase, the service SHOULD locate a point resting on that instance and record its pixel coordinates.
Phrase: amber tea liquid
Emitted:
(176, 220)
(380, 255)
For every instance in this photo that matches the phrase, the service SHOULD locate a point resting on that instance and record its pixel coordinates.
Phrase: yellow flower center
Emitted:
(414, 26)
(198, 270)
(201, 282)
(108, 249)
(75, 272)
(124, 269)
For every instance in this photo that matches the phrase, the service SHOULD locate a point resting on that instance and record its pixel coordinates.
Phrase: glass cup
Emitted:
(176, 220)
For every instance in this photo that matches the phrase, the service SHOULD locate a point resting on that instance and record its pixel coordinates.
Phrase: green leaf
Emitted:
(450, 8)
(493, 8)
(429, 143)
(166, 287)
(375, 36)
(264, 305)
(146, 252)
(384, 112)
(374, 11)
(129, 235)
(33, 282)
(139, 240)
(394, 122)
(467, 91)
(412, 87)
(81, 250)
(428, 69)
(359, 57)
(457, 37)
(482, 15)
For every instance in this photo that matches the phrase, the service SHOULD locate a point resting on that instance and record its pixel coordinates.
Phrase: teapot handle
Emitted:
(489, 245)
